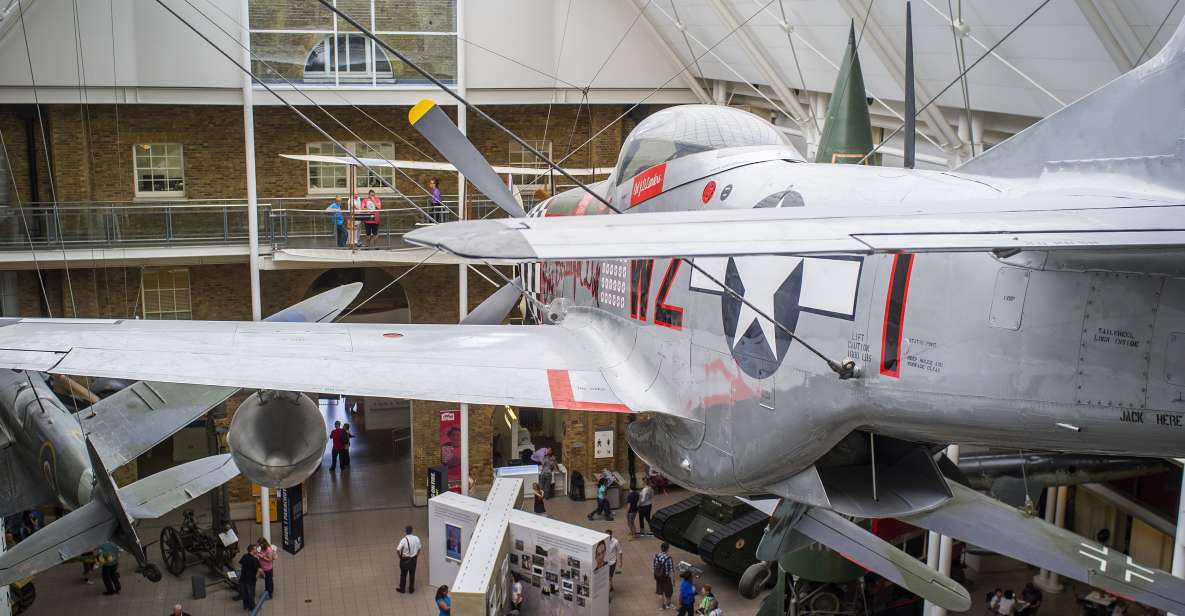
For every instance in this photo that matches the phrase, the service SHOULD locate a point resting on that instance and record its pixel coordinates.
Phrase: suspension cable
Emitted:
(48, 166)
(291, 107)
(956, 80)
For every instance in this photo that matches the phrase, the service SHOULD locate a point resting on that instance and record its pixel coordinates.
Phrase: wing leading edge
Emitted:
(1046, 222)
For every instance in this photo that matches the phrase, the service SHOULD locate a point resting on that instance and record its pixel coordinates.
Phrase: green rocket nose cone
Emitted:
(847, 131)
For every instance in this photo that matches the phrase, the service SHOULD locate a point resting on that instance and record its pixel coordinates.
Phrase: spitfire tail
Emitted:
(1133, 126)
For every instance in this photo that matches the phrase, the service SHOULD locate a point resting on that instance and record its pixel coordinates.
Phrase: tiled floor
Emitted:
(348, 565)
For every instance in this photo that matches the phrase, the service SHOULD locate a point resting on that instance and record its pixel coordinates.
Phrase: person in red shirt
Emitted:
(338, 436)
(372, 205)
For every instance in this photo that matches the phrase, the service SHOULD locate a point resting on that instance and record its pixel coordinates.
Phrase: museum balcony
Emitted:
(207, 231)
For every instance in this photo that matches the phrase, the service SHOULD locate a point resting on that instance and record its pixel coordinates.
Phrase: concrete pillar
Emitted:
(1041, 579)
(939, 548)
(1051, 583)
(463, 272)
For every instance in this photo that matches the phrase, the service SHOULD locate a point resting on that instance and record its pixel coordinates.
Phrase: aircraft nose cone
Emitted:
(277, 438)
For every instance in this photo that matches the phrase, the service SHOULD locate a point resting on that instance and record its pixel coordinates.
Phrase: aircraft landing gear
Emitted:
(756, 578)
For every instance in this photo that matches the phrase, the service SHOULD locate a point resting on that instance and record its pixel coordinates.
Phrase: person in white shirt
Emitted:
(612, 556)
(408, 550)
(645, 505)
(1007, 604)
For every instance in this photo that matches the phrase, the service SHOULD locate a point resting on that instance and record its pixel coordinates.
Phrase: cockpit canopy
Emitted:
(689, 129)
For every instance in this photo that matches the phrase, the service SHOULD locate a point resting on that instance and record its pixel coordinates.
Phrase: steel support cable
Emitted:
(461, 100)
(290, 106)
(85, 117)
(652, 92)
(686, 41)
(520, 64)
(797, 65)
(48, 166)
(621, 40)
(118, 156)
(300, 91)
(247, 29)
(559, 56)
(1157, 32)
(25, 224)
(388, 285)
(951, 84)
(801, 39)
(1002, 60)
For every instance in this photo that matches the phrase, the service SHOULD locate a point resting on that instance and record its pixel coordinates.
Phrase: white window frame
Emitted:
(156, 194)
(167, 315)
(361, 151)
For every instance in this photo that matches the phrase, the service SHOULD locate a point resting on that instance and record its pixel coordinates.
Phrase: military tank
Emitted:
(723, 530)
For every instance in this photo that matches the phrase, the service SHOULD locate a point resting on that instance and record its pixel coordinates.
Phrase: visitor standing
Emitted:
(335, 437)
(435, 205)
(663, 568)
(686, 595)
(444, 603)
(540, 507)
(705, 604)
(109, 568)
(408, 551)
(371, 205)
(267, 559)
(631, 512)
(612, 555)
(339, 221)
(547, 474)
(248, 573)
(346, 437)
(645, 504)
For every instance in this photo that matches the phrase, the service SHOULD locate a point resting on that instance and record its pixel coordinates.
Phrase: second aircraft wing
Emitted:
(1035, 222)
(583, 364)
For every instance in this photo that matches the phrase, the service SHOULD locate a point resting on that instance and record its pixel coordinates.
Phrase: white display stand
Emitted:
(529, 473)
(561, 565)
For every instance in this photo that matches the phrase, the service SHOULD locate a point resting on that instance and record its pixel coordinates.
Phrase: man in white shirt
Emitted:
(645, 505)
(612, 556)
(408, 550)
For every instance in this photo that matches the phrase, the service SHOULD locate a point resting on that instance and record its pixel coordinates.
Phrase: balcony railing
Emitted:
(283, 223)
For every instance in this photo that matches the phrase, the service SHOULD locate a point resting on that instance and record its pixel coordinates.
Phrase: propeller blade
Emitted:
(495, 307)
(440, 131)
(911, 104)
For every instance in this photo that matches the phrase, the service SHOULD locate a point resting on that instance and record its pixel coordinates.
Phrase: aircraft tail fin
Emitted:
(975, 518)
(1132, 127)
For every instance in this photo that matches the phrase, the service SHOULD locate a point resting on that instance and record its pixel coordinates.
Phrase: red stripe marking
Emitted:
(896, 371)
(561, 395)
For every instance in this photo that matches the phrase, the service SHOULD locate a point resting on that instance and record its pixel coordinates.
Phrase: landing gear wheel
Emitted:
(151, 572)
(172, 551)
(754, 579)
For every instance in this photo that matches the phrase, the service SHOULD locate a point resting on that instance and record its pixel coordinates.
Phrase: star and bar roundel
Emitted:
(783, 287)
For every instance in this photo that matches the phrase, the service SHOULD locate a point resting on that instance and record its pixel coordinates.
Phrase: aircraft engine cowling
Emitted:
(277, 438)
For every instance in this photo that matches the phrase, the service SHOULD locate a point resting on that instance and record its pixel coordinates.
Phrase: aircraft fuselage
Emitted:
(1019, 352)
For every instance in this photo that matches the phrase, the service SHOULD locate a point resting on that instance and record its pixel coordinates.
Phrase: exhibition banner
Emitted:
(450, 447)
(292, 518)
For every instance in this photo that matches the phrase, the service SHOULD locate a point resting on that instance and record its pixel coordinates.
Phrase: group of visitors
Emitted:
(340, 437)
(257, 563)
(367, 211)
(664, 573)
(639, 505)
(1006, 603)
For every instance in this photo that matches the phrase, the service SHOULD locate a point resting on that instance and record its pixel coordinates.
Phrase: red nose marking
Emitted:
(709, 190)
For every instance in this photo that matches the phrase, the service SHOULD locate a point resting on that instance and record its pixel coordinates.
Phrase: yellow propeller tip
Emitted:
(419, 110)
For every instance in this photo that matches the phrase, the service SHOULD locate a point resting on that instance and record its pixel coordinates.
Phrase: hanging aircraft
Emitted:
(50, 456)
(812, 332)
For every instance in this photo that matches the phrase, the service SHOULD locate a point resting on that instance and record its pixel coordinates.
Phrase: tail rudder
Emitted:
(1132, 126)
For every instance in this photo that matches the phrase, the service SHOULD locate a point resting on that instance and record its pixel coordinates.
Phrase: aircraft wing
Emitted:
(434, 166)
(981, 520)
(163, 492)
(1040, 222)
(580, 365)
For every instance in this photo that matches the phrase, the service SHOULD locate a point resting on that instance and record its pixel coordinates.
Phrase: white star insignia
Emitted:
(761, 277)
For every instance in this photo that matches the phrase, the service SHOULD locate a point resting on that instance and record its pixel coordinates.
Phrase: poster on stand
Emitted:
(450, 447)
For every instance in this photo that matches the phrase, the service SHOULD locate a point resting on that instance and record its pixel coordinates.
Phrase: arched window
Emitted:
(353, 57)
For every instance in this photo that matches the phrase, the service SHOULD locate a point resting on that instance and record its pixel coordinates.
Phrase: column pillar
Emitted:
(463, 271)
(939, 547)
(1051, 582)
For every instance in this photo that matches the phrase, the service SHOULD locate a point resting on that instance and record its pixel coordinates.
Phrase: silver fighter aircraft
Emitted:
(50, 456)
(811, 332)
